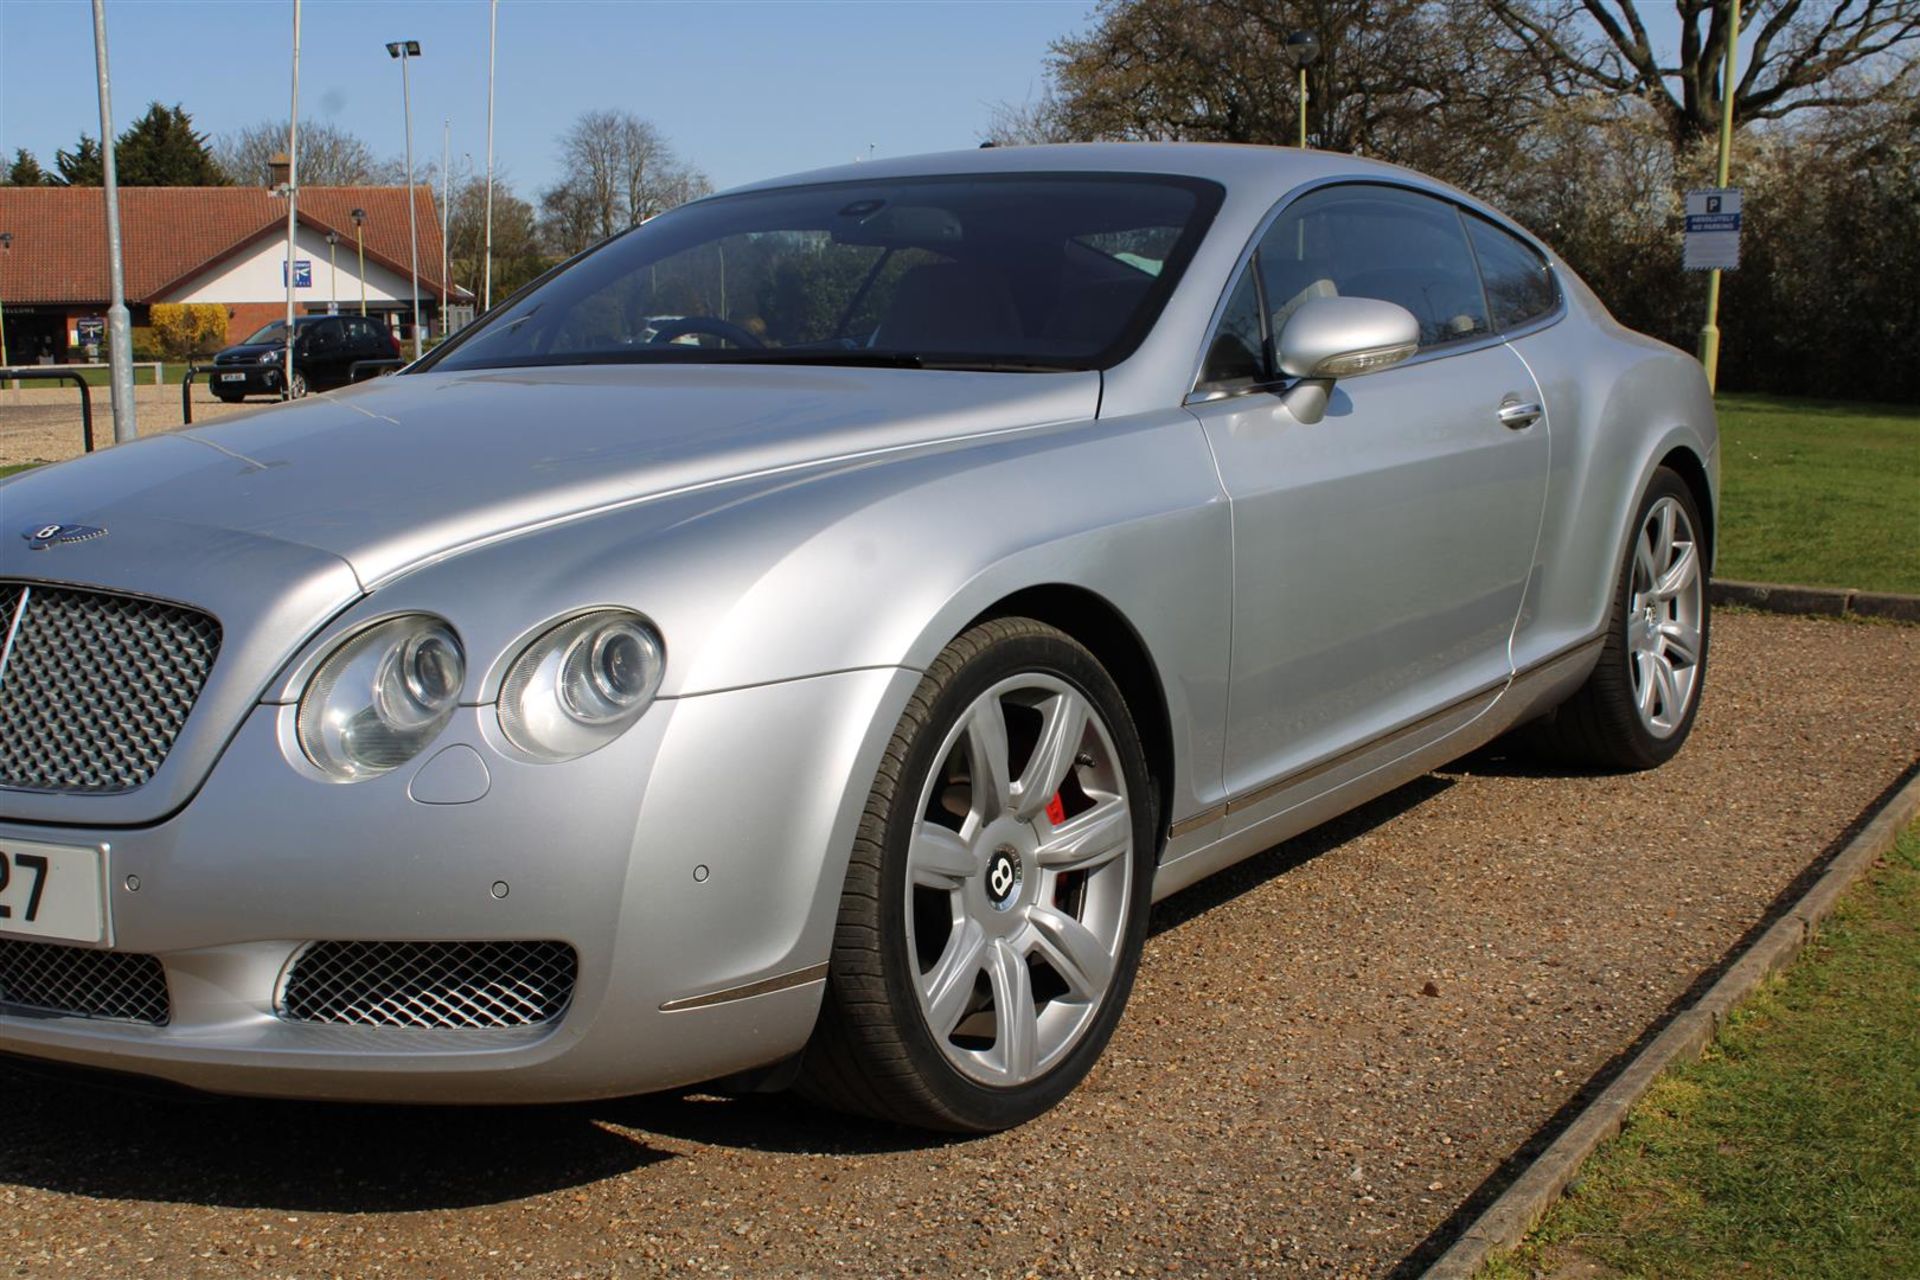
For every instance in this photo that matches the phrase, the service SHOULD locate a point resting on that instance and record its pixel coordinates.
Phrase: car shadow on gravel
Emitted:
(79, 1138)
(112, 1139)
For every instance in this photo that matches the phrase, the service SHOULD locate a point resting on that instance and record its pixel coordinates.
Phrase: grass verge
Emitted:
(1792, 1148)
(1820, 492)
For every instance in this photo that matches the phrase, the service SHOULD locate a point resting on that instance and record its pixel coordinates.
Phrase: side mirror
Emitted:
(1345, 337)
(1333, 337)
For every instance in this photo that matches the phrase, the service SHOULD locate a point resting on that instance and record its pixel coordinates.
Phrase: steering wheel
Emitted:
(712, 326)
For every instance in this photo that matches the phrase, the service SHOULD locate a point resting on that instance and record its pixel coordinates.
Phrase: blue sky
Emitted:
(745, 89)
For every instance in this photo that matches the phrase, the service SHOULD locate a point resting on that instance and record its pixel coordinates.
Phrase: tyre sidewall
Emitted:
(1617, 705)
(970, 1104)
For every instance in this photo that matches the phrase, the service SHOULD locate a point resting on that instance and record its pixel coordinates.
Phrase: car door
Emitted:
(1381, 553)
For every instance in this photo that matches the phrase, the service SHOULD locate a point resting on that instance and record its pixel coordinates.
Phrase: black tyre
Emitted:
(997, 897)
(1638, 706)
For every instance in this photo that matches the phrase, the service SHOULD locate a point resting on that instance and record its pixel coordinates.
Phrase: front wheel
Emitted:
(1638, 706)
(996, 901)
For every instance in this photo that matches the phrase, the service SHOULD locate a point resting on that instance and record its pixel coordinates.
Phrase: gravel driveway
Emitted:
(1330, 1049)
(41, 421)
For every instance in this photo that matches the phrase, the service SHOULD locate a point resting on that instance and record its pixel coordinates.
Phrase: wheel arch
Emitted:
(1098, 624)
(1687, 464)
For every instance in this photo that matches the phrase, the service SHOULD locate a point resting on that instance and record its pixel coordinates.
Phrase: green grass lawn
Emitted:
(1820, 492)
(1793, 1147)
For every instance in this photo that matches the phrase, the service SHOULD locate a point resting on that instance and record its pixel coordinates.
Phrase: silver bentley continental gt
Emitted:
(793, 643)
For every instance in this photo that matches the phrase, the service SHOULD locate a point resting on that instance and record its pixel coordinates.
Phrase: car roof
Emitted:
(1244, 169)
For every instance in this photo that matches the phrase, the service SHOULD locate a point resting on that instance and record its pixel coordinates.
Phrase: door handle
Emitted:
(1518, 416)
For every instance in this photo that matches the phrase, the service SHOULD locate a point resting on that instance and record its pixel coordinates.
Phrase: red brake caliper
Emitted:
(1056, 812)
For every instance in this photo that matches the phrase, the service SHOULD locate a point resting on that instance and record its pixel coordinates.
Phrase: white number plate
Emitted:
(233, 377)
(52, 891)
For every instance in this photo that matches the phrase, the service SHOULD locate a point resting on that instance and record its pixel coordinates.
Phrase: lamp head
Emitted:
(359, 216)
(1302, 48)
(403, 49)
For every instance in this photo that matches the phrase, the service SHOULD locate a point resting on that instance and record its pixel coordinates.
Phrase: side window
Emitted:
(1363, 241)
(1237, 356)
(1519, 282)
(326, 336)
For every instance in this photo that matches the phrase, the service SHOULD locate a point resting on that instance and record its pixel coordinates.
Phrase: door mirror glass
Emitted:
(1333, 337)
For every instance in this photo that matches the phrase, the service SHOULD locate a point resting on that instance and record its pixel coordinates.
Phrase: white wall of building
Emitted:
(254, 275)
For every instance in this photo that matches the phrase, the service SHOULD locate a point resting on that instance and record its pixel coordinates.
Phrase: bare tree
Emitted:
(619, 170)
(1430, 82)
(1829, 53)
(329, 157)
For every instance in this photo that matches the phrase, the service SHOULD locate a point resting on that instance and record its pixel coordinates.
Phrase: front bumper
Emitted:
(255, 379)
(693, 863)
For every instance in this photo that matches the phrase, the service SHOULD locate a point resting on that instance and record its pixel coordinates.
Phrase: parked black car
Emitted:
(324, 349)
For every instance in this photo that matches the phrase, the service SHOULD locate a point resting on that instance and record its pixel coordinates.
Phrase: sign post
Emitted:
(1710, 332)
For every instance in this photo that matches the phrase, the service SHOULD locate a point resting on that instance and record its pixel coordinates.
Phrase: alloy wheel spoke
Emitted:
(1088, 840)
(1682, 643)
(1669, 690)
(1648, 690)
(1681, 575)
(1663, 547)
(939, 858)
(987, 752)
(1072, 951)
(1014, 1018)
(949, 987)
(1063, 724)
(1645, 563)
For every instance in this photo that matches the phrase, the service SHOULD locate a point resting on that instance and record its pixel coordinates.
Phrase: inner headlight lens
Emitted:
(578, 686)
(381, 697)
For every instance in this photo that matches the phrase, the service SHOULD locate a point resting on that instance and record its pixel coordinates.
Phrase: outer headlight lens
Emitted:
(381, 697)
(578, 686)
(274, 356)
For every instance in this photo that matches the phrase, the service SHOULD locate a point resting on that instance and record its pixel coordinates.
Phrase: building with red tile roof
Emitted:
(224, 245)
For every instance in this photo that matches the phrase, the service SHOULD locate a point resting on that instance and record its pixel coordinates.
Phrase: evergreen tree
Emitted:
(81, 167)
(162, 150)
(25, 171)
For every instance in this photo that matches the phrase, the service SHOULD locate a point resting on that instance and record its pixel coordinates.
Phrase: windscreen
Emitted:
(1006, 272)
(275, 332)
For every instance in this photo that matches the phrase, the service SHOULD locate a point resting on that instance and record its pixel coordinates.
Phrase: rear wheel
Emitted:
(1638, 706)
(997, 897)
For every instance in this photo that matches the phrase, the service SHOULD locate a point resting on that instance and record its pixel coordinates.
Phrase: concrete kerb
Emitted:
(1838, 602)
(1507, 1220)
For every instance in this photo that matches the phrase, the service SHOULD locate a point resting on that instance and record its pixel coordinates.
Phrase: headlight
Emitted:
(578, 686)
(274, 356)
(381, 697)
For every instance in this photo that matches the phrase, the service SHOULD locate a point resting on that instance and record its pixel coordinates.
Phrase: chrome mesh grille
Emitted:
(83, 983)
(463, 985)
(94, 688)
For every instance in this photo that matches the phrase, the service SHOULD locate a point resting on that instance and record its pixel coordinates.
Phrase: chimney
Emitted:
(278, 170)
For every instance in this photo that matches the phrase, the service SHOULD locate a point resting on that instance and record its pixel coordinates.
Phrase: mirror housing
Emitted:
(1329, 338)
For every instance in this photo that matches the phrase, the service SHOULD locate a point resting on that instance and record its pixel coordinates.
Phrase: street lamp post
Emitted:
(1303, 50)
(119, 327)
(333, 273)
(405, 51)
(360, 241)
(486, 248)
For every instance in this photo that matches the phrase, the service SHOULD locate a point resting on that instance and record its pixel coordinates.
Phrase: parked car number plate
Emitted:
(53, 891)
(233, 377)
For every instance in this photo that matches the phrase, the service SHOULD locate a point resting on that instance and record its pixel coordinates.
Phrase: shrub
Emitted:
(187, 329)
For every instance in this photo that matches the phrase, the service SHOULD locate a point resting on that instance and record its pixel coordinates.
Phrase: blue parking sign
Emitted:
(302, 273)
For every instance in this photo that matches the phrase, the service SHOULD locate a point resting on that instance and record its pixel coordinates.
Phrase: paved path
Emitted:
(1329, 1050)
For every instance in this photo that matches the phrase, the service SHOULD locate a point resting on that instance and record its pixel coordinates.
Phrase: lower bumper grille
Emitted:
(83, 983)
(462, 985)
